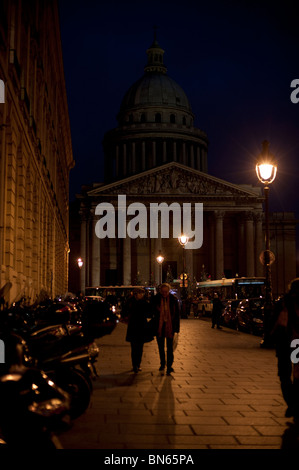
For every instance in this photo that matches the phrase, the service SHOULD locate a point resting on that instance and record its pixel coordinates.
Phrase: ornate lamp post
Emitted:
(183, 240)
(160, 260)
(266, 169)
(82, 282)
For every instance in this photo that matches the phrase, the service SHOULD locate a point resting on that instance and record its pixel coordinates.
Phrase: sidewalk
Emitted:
(224, 394)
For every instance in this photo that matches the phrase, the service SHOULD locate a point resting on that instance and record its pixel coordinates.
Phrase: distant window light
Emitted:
(158, 117)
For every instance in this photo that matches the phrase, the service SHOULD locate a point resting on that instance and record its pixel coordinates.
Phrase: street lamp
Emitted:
(183, 240)
(80, 262)
(160, 260)
(266, 169)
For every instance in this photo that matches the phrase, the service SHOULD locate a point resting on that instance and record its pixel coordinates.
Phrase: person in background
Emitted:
(285, 331)
(166, 318)
(195, 306)
(137, 310)
(216, 312)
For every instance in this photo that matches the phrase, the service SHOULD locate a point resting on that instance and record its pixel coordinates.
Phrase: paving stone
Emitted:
(154, 429)
(260, 440)
(224, 430)
(194, 420)
(224, 394)
(270, 430)
(203, 440)
(251, 421)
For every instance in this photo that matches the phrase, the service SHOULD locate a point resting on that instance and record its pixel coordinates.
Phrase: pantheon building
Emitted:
(156, 155)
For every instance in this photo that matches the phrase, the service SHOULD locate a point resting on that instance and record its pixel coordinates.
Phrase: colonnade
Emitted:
(134, 156)
(129, 257)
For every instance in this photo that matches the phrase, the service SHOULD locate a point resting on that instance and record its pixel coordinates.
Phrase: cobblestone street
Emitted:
(224, 394)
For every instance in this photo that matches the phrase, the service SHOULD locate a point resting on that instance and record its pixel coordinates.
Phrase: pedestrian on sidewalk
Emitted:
(166, 317)
(195, 306)
(286, 329)
(137, 309)
(216, 312)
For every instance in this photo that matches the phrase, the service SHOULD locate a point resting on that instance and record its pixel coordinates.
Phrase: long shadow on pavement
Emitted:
(290, 437)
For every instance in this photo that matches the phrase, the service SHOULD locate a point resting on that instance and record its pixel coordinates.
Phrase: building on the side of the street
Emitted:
(156, 155)
(36, 151)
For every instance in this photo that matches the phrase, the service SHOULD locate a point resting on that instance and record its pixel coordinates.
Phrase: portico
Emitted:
(232, 228)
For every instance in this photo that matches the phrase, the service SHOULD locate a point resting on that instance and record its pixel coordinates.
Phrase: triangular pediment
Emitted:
(175, 179)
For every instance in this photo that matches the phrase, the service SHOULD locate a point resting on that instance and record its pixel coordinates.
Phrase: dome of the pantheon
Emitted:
(155, 125)
(155, 92)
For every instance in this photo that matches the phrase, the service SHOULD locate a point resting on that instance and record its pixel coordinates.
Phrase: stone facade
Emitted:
(232, 231)
(36, 151)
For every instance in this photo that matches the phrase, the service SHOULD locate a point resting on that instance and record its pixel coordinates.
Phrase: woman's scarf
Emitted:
(165, 317)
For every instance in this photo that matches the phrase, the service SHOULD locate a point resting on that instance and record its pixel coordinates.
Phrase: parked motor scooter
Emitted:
(68, 359)
(32, 406)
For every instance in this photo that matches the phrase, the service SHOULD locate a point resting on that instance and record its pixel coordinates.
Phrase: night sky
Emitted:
(234, 60)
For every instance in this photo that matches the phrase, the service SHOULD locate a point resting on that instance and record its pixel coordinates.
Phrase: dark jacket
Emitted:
(138, 311)
(174, 312)
(217, 306)
(282, 335)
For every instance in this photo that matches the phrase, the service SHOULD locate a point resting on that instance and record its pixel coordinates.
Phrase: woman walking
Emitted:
(138, 309)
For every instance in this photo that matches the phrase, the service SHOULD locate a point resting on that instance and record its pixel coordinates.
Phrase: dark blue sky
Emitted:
(235, 61)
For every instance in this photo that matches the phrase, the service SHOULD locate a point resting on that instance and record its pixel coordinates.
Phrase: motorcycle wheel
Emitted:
(74, 382)
(86, 375)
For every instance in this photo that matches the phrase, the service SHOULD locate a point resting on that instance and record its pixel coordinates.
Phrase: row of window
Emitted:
(158, 118)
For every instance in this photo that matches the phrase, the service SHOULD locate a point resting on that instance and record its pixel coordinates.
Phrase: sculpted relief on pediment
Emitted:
(174, 181)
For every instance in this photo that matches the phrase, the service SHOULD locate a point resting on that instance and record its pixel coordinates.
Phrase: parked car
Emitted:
(250, 315)
(229, 315)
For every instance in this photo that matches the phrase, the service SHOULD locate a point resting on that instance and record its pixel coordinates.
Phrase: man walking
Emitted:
(166, 318)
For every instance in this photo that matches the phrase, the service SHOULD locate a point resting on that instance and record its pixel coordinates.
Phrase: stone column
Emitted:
(184, 153)
(133, 158)
(125, 169)
(219, 215)
(211, 235)
(95, 256)
(241, 246)
(249, 244)
(127, 261)
(154, 154)
(174, 152)
(112, 253)
(117, 161)
(164, 152)
(143, 156)
(192, 156)
(198, 165)
(259, 243)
